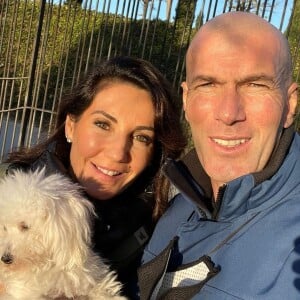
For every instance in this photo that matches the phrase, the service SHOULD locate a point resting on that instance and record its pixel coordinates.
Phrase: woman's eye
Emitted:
(143, 139)
(102, 125)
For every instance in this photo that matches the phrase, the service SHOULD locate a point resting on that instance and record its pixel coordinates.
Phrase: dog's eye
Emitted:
(23, 226)
(4, 228)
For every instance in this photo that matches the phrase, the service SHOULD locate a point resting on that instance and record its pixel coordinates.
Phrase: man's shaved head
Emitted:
(225, 27)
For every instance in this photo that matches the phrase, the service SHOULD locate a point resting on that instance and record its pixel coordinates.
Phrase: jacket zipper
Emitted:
(218, 201)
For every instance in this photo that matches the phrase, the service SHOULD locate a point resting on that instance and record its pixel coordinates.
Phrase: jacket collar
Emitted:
(192, 181)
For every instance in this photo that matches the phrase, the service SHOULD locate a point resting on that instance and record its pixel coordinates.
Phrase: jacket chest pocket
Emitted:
(165, 278)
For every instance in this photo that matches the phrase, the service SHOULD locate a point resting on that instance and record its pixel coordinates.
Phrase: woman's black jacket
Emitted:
(122, 227)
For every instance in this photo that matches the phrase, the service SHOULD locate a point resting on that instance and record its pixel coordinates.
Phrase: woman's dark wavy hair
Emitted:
(170, 139)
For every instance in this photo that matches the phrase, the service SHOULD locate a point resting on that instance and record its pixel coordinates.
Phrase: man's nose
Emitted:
(230, 107)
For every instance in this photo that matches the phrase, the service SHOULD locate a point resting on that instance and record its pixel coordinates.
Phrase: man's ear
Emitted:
(184, 93)
(291, 105)
(69, 127)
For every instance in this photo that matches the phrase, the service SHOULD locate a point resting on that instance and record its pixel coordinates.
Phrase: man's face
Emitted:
(236, 104)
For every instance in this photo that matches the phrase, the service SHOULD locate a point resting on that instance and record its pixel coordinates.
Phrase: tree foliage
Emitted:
(73, 2)
(73, 42)
(293, 33)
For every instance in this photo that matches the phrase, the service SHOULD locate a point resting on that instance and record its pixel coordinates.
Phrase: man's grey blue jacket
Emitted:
(247, 246)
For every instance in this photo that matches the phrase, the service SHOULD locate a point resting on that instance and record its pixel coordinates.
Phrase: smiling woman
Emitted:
(112, 142)
(113, 133)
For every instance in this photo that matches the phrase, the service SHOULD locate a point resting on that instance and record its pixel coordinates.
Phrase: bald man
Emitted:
(232, 231)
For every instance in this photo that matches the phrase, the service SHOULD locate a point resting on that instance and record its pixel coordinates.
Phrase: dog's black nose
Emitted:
(7, 258)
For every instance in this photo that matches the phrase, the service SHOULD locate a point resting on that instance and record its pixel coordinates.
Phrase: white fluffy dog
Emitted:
(45, 241)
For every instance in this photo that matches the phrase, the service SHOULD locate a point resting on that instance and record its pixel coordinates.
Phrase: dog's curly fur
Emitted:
(45, 241)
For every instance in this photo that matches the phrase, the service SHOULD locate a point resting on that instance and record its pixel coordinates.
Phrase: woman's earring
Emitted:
(68, 140)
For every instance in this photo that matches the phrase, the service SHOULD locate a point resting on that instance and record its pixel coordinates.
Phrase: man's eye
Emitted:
(143, 139)
(207, 84)
(204, 84)
(257, 85)
(103, 125)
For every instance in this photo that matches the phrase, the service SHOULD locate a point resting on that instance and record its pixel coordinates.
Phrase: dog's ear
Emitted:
(67, 230)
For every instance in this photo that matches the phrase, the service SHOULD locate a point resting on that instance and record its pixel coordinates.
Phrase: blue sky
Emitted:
(161, 7)
(282, 7)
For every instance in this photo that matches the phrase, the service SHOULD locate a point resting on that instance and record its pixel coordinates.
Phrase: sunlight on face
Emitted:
(236, 107)
(112, 142)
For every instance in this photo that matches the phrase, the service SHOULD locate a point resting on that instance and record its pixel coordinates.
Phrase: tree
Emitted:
(73, 2)
(293, 33)
(145, 8)
(252, 6)
(146, 5)
(184, 16)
